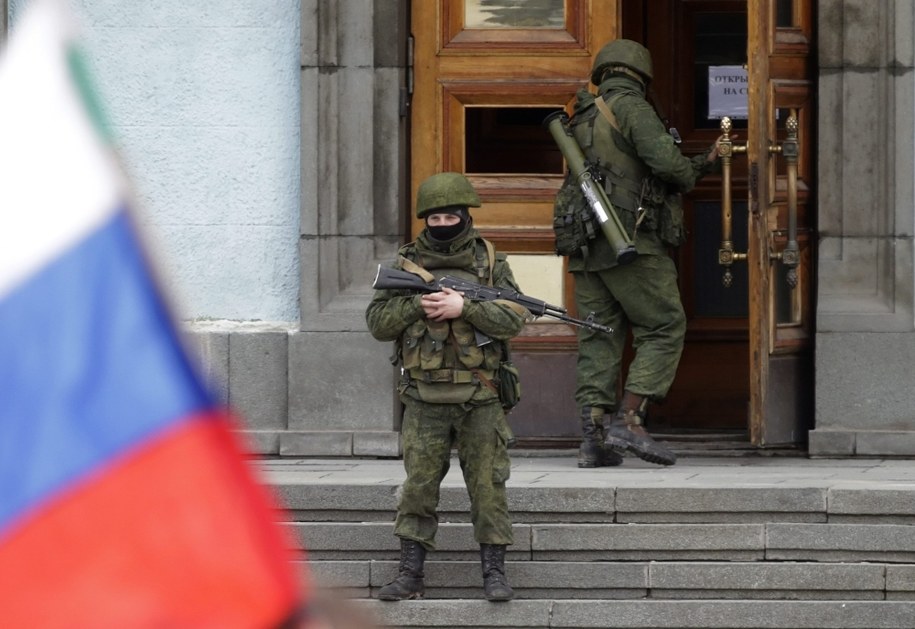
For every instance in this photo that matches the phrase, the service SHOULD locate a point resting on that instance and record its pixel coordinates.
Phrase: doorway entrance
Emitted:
(486, 74)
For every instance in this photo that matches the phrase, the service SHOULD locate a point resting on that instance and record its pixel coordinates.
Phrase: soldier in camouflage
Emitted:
(644, 173)
(447, 384)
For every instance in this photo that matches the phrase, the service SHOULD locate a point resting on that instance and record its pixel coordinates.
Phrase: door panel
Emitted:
(780, 70)
(747, 361)
(486, 75)
(686, 39)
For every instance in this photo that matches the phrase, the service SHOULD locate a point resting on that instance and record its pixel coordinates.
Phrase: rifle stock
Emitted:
(398, 279)
(388, 278)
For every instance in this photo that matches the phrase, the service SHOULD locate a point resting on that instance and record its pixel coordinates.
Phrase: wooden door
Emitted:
(689, 40)
(746, 368)
(486, 74)
(782, 238)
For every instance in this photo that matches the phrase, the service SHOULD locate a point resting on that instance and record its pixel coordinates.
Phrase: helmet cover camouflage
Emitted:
(444, 190)
(625, 53)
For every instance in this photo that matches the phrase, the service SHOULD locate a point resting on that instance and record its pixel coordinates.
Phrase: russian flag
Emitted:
(125, 499)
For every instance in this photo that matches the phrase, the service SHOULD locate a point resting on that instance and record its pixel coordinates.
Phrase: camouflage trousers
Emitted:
(642, 297)
(481, 435)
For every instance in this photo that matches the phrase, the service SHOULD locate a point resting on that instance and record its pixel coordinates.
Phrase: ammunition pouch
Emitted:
(450, 376)
(442, 393)
(448, 386)
(666, 205)
(465, 345)
(509, 384)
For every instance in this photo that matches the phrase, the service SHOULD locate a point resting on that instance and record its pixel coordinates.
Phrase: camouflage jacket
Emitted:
(642, 136)
(425, 347)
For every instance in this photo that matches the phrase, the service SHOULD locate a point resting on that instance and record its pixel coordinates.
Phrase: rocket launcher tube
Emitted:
(604, 212)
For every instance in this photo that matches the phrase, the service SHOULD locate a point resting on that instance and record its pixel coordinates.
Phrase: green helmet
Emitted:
(443, 190)
(622, 52)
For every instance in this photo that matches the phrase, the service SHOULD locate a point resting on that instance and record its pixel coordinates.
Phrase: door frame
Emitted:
(774, 403)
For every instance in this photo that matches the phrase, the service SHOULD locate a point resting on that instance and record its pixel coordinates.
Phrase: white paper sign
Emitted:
(728, 91)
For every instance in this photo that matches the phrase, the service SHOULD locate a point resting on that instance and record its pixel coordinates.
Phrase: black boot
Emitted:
(409, 583)
(495, 586)
(627, 433)
(591, 452)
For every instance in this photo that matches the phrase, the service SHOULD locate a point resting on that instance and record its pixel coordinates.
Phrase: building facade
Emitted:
(276, 145)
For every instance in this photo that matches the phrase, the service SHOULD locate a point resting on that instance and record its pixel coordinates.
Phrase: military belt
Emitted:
(452, 376)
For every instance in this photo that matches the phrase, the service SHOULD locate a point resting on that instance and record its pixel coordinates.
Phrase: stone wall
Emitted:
(354, 182)
(325, 387)
(865, 401)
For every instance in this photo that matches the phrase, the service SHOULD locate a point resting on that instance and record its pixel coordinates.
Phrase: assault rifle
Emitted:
(588, 178)
(398, 279)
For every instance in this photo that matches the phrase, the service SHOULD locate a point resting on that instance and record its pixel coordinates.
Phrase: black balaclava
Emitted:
(447, 233)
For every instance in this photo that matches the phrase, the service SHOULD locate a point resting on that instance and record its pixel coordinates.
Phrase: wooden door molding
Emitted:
(534, 188)
(465, 79)
(780, 71)
(456, 39)
(458, 68)
(758, 46)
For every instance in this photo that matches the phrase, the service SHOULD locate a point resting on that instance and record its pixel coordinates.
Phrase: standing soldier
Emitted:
(644, 174)
(447, 384)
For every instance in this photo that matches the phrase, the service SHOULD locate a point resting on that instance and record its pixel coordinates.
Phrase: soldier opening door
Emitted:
(747, 363)
(486, 72)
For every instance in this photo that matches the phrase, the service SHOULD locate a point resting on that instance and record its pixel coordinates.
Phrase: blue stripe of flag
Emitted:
(90, 366)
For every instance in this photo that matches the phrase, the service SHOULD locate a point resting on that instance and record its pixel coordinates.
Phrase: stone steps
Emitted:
(638, 553)
(640, 502)
(447, 579)
(883, 543)
(646, 614)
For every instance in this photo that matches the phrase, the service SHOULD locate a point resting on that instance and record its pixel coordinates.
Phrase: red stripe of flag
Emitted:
(176, 533)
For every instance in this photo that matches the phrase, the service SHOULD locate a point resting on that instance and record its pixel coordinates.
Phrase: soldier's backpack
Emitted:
(574, 224)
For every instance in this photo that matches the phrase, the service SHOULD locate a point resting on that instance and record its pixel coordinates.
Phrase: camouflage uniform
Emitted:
(447, 391)
(439, 415)
(637, 155)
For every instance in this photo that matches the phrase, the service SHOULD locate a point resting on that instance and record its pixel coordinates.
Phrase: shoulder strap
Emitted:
(485, 265)
(411, 267)
(627, 166)
(605, 110)
(491, 254)
(489, 264)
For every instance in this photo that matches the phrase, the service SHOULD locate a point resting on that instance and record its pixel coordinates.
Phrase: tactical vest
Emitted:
(441, 360)
(604, 145)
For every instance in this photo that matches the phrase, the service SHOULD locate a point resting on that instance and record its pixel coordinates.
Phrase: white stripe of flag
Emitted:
(58, 181)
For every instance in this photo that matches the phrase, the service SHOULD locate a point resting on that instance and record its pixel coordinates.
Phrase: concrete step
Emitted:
(644, 614)
(611, 580)
(637, 500)
(707, 544)
(883, 543)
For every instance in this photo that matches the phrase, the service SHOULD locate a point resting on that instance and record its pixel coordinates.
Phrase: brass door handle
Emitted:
(790, 149)
(726, 254)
